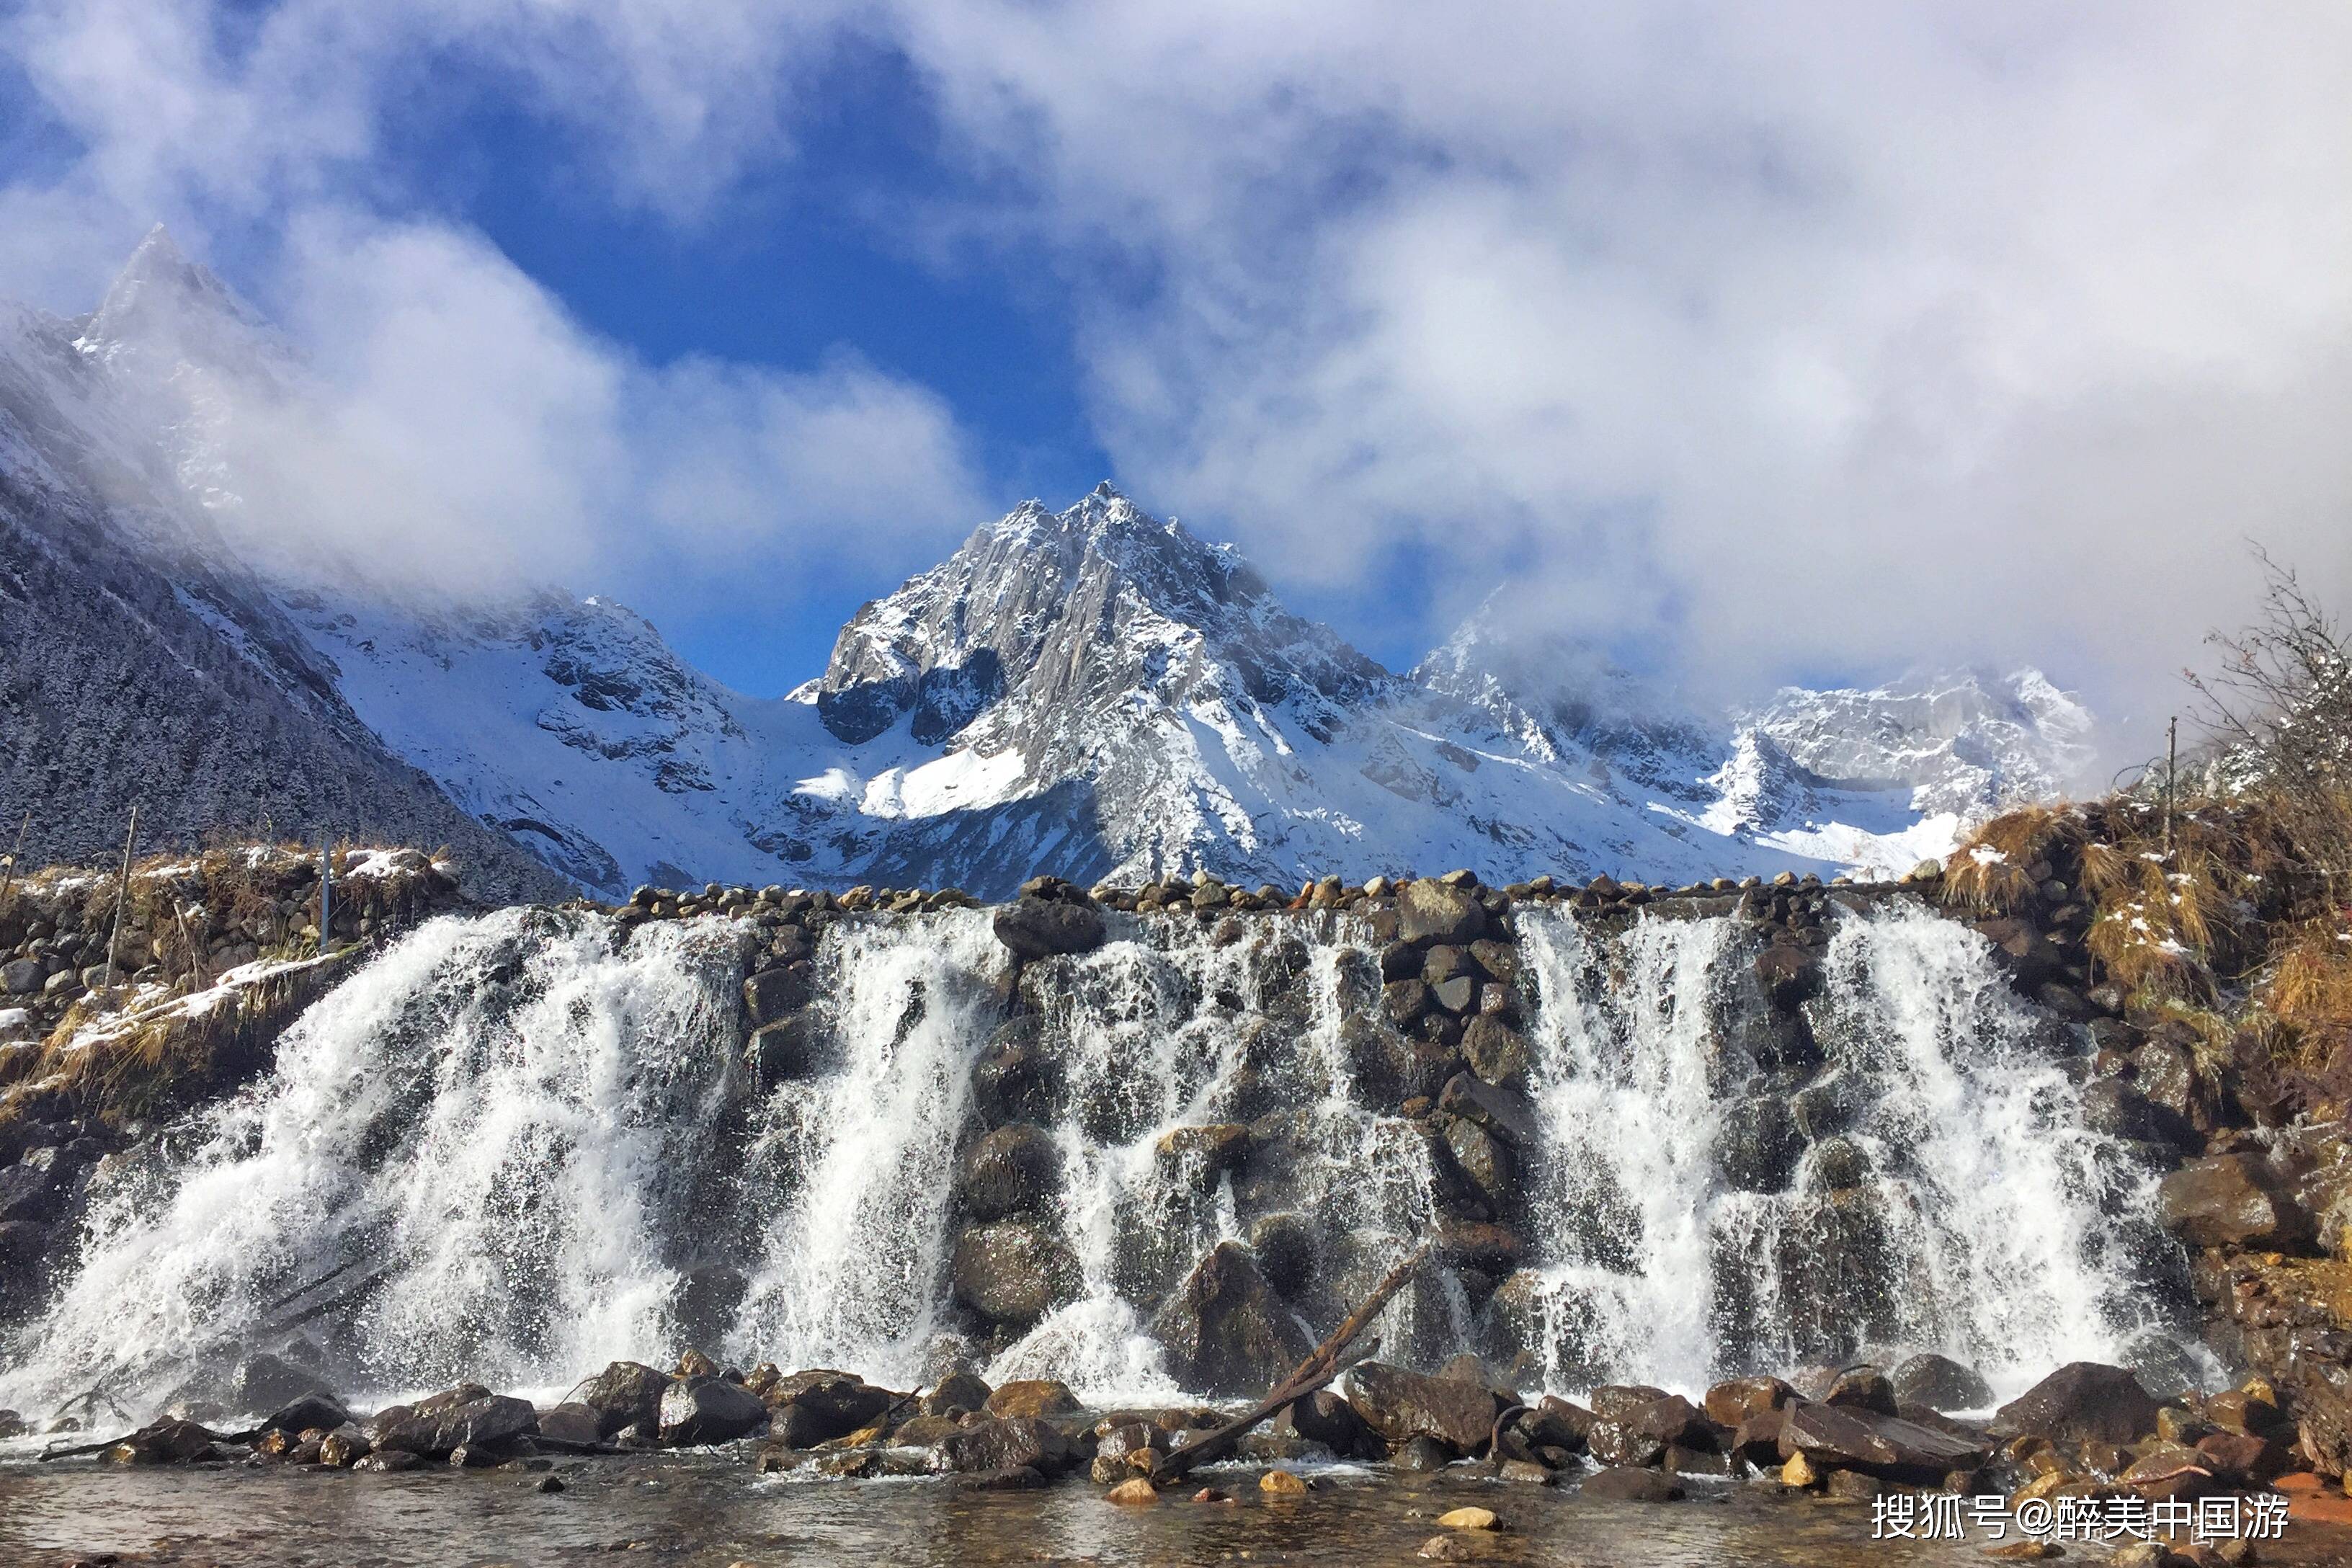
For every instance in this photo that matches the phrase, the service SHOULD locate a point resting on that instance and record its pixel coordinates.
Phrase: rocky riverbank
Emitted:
(2198, 1479)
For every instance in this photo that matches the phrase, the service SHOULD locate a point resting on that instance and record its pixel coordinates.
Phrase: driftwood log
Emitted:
(1324, 1363)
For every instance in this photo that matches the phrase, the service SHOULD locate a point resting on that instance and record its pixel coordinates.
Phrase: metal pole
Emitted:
(2172, 761)
(121, 888)
(326, 894)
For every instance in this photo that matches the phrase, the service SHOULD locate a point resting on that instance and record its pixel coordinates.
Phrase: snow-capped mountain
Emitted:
(1089, 692)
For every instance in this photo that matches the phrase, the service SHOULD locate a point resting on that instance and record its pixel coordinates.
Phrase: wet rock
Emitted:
(1791, 976)
(1280, 1483)
(1423, 1453)
(1757, 1438)
(1198, 1156)
(791, 1050)
(1290, 1247)
(343, 1448)
(2227, 1201)
(1759, 1145)
(709, 1410)
(1224, 1331)
(384, 1460)
(2082, 1401)
(1039, 1397)
(30, 1194)
(1456, 995)
(1501, 1112)
(1400, 1405)
(1621, 1483)
(1498, 1054)
(1033, 928)
(1828, 1105)
(625, 1394)
(1499, 959)
(1018, 1077)
(1557, 1423)
(1485, 1162)
(570, 1423)
(315, 1409)
(164, 1442)
(1854, 1438)
(1939, 1382)
(1468, 1517)
(1392, 1066)
(772, 992)
(1731, 1402)
(1136, 1493)
(1005, 1442)
(1616, 1401)
(1429, 911)
(1325, 1417)
(819, 1405)
(1861, 1388)
(1614, 1441)
(267, 1381)
(1834, 1258)
(465, 1417)
(1013, 1479)
(957, 1390)
(1014, 1272)
(1015, 1170)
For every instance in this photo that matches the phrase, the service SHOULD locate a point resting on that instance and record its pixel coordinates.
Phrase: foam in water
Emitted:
(1953, 1202)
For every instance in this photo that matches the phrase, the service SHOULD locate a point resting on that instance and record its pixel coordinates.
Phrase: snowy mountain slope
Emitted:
(141, 664)
(1090, 691)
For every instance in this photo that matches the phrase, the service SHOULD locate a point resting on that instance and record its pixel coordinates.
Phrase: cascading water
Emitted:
(1179, 1028)
(1929, 1187)
(862, 1157)
(499, 1121)
(528, 1143)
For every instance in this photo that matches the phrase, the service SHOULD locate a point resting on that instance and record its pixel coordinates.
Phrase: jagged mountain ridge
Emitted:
(1090, 691)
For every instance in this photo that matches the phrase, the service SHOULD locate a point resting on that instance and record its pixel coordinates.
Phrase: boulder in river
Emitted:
(1855, 1439)
(2227, 1201)
(2082, 1400)
(1325, 1417)
(1224, 1331)
(1004, 1442)
(1017, 1078)
(812, 1407)
(1400, 1405)
(625, 1394)
(1038, 1397)
(467, 1416)
(709, 1410)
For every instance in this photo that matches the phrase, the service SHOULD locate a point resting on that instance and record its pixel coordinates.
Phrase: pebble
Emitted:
(1467, 1519)
(1281, 1483)
(1136, 1493)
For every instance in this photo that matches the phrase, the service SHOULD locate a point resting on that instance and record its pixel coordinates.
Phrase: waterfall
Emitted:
(1945, 1197)
(528, 1143)
(503, 1114)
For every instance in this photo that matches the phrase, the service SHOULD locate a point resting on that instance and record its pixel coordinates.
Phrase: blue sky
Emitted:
(1762, 342)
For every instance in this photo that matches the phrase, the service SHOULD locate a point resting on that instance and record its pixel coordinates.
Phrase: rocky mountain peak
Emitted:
(1089, 603)
(166, 303)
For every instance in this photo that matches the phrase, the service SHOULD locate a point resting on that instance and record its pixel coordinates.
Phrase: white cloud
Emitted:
(1802, 335)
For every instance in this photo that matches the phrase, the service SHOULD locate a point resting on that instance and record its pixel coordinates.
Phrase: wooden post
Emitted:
(2171, 760)
(121, 890)
(8, 870)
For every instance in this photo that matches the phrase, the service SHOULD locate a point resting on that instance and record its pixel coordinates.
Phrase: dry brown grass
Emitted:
(120, 1070)
(1992, 872)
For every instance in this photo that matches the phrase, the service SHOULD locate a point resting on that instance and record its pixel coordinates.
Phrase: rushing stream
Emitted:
(528, 1142)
